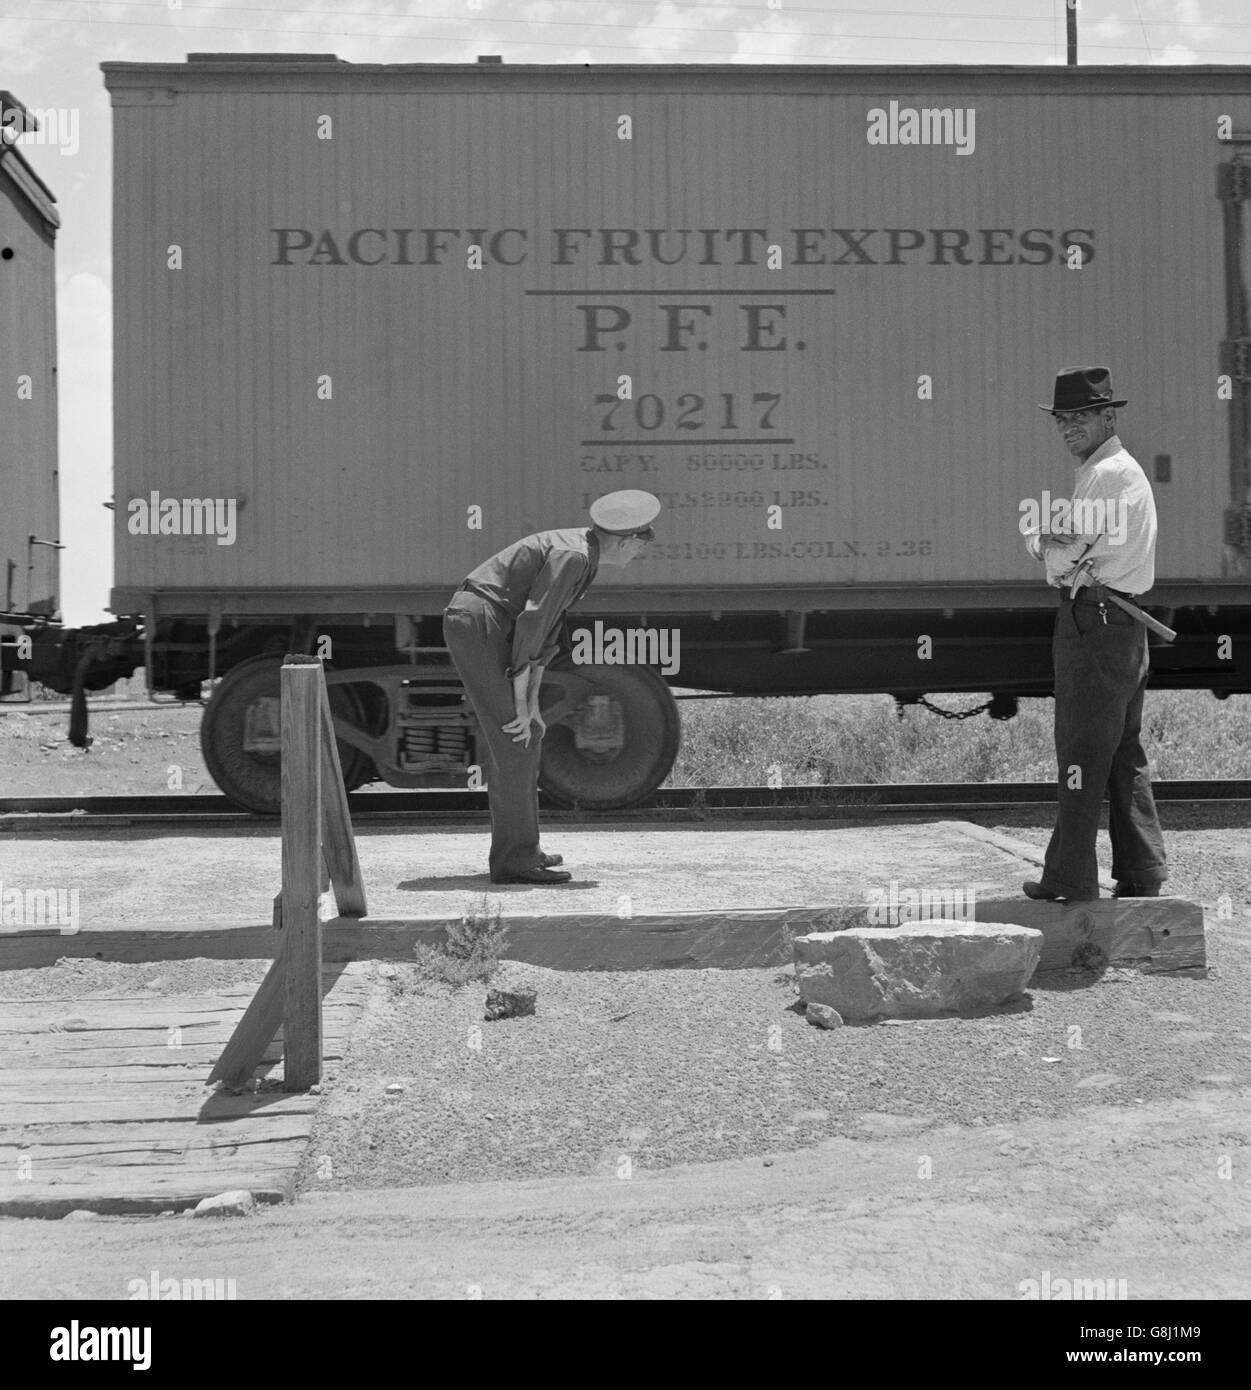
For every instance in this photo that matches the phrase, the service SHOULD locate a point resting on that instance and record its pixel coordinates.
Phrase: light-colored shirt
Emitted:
(536, 580)
(1113, 524)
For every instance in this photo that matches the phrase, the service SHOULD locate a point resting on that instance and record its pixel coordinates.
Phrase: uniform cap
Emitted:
(623, 513)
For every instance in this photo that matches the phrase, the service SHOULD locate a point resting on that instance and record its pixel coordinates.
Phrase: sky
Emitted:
(50, 52)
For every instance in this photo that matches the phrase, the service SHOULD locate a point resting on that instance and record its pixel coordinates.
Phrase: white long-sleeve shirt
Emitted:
(1113, 524)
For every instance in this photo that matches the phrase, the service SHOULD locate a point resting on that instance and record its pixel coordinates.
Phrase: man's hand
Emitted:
(519, 728)
(1048, 540)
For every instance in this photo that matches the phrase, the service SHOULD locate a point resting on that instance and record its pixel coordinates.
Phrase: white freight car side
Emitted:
(833, 339)
(29, 524)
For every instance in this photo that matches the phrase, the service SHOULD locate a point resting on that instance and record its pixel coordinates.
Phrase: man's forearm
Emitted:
(536, 684)
(521, 683)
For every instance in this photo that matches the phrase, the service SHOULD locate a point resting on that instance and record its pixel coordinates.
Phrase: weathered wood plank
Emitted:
(163, 1106)
(259, 1024)
(189, 1132)
(1149, 934)
(712, 940)
(28, 950)
(14, 1046)
(302, 682)
(200, 1058)
(138, 1193)
(193, 1002)
(14, 1080)
(20, 1020)
(338, 844)
(82, 1162)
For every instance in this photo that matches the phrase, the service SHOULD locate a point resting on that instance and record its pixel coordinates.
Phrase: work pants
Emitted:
(1100, 679)
(479, 637)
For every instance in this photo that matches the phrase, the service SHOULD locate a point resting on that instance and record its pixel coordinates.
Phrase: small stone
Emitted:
(768, 1163)
(488, 1116)
(387, 972)
(395, 1089)
(509, 1003)
(1051, 1059)
(315, 1089)
(82, 1215)
(169, 1211)
(822, 1016)
(237, 1202)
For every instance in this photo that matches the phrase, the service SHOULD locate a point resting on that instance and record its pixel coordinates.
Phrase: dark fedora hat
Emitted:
(1082, 388)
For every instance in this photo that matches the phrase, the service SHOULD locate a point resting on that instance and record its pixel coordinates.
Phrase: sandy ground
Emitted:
(944, 1160)
(1143, 1195)
(230, 875)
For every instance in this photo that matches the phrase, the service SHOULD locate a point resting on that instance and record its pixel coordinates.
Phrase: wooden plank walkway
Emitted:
(103, 1104)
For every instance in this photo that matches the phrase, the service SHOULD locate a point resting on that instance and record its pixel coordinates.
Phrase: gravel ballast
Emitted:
(621, 1072)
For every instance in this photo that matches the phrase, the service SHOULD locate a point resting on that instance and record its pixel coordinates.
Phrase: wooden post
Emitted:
(317, 844)
(337, 842)
(302, 683)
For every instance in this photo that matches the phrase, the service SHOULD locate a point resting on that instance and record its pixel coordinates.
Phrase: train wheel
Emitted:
(240, 735)
(617, 746)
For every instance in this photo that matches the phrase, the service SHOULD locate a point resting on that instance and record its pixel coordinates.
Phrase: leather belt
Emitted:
(468, 588)
(1098, 593)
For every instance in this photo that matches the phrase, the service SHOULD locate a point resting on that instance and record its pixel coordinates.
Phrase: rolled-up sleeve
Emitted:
(536, 635)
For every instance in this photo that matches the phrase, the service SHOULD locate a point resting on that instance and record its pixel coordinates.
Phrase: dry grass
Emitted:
(831, 739)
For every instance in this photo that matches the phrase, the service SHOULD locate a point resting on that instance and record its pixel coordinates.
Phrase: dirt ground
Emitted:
(1141, 1194)
(647, 1137)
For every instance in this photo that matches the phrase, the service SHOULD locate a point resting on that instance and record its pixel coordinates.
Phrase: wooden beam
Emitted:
(337, 841)
(256, 1029)
(1148, 933)
(302, 682)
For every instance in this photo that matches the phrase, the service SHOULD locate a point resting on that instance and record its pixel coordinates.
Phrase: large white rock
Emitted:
(915, 970)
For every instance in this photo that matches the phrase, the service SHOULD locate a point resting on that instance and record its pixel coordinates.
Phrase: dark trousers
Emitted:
(479, 638)
(1100, 680)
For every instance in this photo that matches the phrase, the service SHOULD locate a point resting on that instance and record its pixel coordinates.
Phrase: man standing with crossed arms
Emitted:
(1100, 655)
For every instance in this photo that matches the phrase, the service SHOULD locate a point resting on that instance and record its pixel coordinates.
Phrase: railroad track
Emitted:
(453, 805)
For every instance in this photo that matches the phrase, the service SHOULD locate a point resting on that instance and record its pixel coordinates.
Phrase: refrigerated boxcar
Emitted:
(29, 527)
(375, 322)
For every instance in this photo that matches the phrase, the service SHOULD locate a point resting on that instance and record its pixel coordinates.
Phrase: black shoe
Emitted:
(536, 875)
(1136, 890)
(1035, 890)
(550, 861)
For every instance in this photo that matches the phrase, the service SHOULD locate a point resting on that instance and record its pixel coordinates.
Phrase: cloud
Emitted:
(1175, 53)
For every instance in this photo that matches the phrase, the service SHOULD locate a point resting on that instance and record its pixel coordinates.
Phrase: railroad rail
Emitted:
(435, 805)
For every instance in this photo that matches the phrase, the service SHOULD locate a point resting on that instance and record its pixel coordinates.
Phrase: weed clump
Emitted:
(470, 952)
